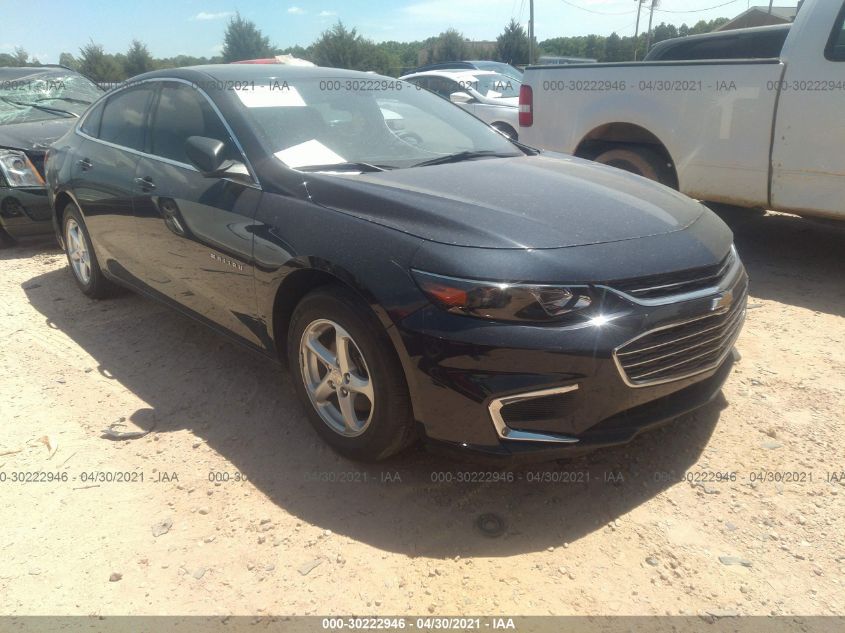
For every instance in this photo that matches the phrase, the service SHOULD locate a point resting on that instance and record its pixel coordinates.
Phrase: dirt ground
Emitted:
(310, 533)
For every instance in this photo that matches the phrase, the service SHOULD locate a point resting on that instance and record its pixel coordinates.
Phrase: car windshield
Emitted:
(380, 122)
(495, 85)
(36, 94)
(500, 67)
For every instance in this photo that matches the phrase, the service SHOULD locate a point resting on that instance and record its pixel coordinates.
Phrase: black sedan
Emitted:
(37, 106)
(422, 275)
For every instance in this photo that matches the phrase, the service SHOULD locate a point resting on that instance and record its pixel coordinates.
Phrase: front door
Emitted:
(197, 231)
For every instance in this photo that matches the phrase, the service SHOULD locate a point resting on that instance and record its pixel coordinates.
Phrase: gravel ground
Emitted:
(243, 511)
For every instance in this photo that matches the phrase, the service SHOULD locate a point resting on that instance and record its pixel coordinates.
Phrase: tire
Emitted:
(639, 160)
(381, 423)
(507, 130)
(81, 257)
(6, 240)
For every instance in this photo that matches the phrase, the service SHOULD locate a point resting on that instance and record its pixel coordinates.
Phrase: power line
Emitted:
(724, 4)
(599, 12)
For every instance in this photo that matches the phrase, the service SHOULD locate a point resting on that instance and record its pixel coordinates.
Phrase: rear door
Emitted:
(808, 153)
(197, 232)
(113, 137)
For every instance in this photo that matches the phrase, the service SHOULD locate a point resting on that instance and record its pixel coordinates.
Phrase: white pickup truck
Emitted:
(764, 133)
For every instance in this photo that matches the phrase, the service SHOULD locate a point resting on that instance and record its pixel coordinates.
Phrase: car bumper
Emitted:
(516, 391)
(25, 212)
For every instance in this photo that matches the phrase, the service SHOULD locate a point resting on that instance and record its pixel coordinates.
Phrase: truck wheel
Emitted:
(639, 160)
(347, 376)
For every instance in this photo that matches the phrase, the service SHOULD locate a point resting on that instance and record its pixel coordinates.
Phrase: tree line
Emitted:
(343, 47)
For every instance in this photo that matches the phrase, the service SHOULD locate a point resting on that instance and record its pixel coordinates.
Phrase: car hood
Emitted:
(543, 201)
(34, 135)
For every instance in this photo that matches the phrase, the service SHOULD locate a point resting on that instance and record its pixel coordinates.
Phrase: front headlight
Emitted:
(18, 170)
(503, 301)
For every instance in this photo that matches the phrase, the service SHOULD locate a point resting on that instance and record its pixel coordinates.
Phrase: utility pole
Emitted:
(654, 3)
(637, 29)
(530, 32)
(770, 6)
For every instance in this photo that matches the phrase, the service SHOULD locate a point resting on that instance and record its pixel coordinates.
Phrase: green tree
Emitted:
(377, 58)
(338, 47)
(407, 53)
(613, 49)
(20, 57)
(512, 44)
(138, 59)
(243, 41)
(99, 66)
(449, 46)
(67, 59)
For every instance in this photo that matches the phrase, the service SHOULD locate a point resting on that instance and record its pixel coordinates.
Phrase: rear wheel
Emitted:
(81, 257)
(348, 377)
(639, 160)
(6, 240)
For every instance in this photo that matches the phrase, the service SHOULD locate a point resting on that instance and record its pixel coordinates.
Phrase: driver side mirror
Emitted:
(207, 155)
(461, 98)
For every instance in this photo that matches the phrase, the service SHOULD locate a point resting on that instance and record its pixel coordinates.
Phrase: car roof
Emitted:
(455, 73)
(254, 72)
(24, 71)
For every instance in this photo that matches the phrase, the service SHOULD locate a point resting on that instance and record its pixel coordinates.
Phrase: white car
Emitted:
(491, 96)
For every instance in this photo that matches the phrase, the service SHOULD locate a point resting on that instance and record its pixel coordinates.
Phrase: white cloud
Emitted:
(296, 11)
(327, 14)
(202, 15)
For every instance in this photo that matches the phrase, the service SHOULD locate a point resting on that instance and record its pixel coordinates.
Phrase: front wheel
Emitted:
(81, 257)
(6, 240)
(347, 376)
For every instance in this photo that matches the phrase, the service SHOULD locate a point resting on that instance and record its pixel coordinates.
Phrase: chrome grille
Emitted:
(679, 282)
(682, 349)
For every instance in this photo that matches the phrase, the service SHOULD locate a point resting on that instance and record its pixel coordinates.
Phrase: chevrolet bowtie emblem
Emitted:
(723, 301)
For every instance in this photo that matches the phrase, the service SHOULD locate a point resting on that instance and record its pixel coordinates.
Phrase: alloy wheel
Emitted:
(336, 378)
(77, 250)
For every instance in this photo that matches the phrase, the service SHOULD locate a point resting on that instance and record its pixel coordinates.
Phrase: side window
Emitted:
(835, 50)
(717, 48)
(183, 112)
(123, 117)
(444, 87)
(91, 125)
(422, 82)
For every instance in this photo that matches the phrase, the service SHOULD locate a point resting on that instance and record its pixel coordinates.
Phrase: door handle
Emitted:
(85, 164)
(146, 183)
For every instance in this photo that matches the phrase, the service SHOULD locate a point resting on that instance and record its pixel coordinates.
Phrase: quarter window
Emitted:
(123, 117)
(91, 125)
(181, 113)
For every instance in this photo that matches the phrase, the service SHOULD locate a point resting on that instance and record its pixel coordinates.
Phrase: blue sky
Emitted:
(195, 27)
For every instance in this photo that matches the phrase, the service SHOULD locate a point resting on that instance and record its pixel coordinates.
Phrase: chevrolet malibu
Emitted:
(430, 280)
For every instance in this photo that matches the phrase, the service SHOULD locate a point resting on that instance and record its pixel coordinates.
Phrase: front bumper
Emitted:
(507, 390)
(25, 212)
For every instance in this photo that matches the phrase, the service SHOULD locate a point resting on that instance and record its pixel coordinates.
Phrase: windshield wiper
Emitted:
(367, 167)
(69, 99)
(467, 155)
(40, 107)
